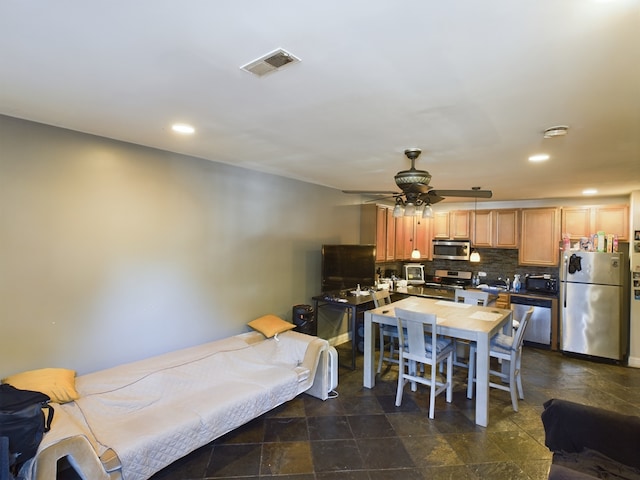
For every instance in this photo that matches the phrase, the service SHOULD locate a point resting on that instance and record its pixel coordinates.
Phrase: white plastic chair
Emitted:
(388, 333)
(504, 347)
(470, 297)
(416, 347)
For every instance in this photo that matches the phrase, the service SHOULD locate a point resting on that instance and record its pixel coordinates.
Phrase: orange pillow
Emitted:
(58, 383)
(270, 325)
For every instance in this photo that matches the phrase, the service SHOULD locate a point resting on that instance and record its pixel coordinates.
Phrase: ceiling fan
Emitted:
(415, 187)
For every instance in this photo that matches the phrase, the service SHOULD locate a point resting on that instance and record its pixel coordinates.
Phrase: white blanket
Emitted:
(156, 411)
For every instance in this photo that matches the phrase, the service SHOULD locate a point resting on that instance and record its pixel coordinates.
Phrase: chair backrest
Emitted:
(472, 297)
(380, 297)
(518, 337)
(412, 324)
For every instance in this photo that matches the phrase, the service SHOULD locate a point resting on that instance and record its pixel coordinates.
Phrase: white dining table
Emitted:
(456, 320)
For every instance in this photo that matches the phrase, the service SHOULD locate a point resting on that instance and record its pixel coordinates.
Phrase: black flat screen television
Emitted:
(345, 266)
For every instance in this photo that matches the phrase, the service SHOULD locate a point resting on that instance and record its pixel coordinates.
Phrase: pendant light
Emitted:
(415, 253)
(475, 256)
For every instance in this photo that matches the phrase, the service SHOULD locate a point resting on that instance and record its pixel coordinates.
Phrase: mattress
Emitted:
(156, 411)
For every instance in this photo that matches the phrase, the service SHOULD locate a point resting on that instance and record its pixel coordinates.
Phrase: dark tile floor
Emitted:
(361, 435)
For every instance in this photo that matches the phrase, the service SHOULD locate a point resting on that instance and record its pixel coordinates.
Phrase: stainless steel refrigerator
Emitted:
(594, 305)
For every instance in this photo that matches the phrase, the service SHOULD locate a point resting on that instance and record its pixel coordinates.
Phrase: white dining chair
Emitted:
(418, 347)
(506, 348)
(470, 297)
(388, 333)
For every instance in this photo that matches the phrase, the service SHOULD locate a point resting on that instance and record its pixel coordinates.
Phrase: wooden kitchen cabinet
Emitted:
(423, 238)
(441, 225)
(584, 221)
(377, 227)
(503, 301)
(495, 228)
(540, 233)
(459, 225)
(390, 242)
(404, 237)
(482, 228)
(452, 225)
(506, 224)
(412, 233)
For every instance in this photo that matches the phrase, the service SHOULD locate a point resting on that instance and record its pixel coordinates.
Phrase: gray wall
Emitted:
(111, 252)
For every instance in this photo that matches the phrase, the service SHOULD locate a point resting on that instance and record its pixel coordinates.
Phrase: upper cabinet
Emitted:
(495, 228)
(423, 238)
(540, 233)
(413, 233)
(395, 238)
(375, 228)
(404, 237)
(535, 232)
(452, 225)
(441, 225)
(585, 221)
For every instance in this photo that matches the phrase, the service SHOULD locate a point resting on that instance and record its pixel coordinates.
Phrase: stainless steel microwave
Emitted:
(452, 249)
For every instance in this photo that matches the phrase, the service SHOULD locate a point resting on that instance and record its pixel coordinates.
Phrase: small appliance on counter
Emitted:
(414, 273)
(541, 284)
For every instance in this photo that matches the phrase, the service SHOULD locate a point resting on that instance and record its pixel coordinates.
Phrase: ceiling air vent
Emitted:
(270, 62)
(557, 131)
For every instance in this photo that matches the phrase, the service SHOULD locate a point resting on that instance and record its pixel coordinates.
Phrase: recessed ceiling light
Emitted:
(589, 191)
(183, 128)
(541, 157)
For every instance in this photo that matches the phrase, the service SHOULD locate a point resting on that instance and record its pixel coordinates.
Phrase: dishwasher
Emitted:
(539, 329)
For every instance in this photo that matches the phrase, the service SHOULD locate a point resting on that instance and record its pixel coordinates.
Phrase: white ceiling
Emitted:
(473, 84)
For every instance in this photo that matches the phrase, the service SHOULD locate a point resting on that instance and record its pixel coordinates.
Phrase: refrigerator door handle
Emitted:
(564, 284)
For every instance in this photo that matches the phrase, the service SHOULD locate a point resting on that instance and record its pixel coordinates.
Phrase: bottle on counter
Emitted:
(516, 283)
(358, 290)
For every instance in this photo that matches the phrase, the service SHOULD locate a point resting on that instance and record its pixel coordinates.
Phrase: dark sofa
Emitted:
(589, 442)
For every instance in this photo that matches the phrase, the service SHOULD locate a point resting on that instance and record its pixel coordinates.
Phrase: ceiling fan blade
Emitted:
(371, 192)
(432, 197)
(463, 193)
(378, 199)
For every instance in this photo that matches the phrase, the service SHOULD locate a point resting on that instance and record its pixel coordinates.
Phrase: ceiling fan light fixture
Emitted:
(474, 257)
(398, 211)
(415, 254)
(409, 210)
(427, 212)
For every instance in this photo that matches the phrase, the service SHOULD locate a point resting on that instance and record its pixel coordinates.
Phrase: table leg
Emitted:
(369, 380)
(482, 381)
(353, 312)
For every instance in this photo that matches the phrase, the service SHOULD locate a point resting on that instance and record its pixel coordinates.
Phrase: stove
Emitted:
(442, 285)
(448, 279)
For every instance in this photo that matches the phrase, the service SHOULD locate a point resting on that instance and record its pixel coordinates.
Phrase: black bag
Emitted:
(23, 422)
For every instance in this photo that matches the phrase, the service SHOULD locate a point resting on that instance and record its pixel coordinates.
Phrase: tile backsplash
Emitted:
(496, 262)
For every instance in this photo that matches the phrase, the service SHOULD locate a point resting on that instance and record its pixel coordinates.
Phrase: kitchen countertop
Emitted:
(428, 292)
(535, 293)
(433, 292)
